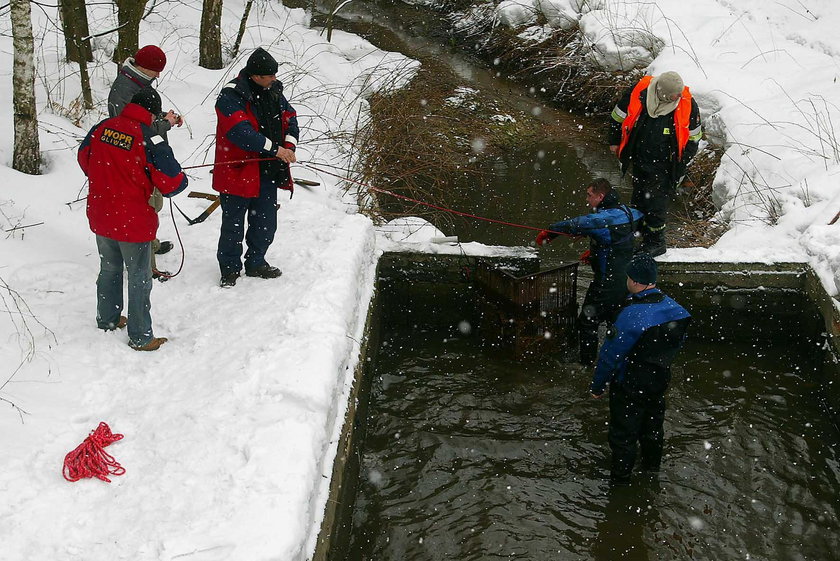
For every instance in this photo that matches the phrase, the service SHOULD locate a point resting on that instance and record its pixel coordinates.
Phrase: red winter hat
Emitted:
(150, 57)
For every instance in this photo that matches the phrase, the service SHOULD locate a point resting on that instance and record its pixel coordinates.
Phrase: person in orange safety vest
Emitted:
(655, 131)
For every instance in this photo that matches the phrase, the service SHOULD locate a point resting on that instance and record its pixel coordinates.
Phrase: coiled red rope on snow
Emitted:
(90, 460)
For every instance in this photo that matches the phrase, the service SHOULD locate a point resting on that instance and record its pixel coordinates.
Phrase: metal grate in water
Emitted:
(533, 313)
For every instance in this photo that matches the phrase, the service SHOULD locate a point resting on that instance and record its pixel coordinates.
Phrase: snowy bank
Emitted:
(231, 427)
(766, 79)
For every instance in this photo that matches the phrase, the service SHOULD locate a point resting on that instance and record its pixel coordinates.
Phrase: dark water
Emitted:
(470, 455)
(535, 186)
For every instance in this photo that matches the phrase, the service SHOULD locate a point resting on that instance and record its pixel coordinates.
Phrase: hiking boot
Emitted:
(228, 280)
(654, 250)
(152, 345)
(653, 243)
(165, 247)
(121, 323)
(161, 276)
(264, 272)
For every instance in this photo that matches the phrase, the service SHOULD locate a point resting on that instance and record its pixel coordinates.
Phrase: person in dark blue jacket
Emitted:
(610, 228)
(636, 362)
(256, 138)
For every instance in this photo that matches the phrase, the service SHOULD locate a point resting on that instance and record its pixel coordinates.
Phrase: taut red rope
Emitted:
(90, 460)
(390, 193)
(430, 205)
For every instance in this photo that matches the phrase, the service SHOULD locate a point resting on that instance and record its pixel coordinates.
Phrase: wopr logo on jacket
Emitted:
(117, 138)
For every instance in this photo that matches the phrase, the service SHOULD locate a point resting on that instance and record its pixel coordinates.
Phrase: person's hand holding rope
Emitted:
(286, 155)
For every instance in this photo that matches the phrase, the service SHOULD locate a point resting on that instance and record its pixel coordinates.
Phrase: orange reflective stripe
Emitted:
(682, 116)
(634, 109)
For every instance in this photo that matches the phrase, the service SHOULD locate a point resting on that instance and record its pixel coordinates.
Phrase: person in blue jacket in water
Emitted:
(635, 360)
(610, 227)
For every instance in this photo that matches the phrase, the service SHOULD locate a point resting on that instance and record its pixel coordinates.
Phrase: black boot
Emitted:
(165, 247)
(653, 242)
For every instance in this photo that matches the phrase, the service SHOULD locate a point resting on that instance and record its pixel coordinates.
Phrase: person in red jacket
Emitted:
(255, 122)
(136, 73)
(125, 160)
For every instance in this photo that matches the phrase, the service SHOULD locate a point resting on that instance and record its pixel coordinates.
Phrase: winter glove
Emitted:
(156, 200)
(585, 257)
(544, 237)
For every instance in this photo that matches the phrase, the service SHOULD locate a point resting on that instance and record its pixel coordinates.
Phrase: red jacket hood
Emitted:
(137, 113)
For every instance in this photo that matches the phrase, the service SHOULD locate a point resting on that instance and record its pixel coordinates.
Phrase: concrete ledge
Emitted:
(736, 275)
(343, 480)
(742, 284)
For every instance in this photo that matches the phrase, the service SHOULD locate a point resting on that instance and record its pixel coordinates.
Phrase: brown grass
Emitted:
(693, 211)
(421, 145)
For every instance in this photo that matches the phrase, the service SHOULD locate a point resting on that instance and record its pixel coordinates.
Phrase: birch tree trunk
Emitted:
(27, 151)
(210, 42)
(129, 12)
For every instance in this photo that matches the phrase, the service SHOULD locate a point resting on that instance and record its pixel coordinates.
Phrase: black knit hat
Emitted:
(261, 63)
(642, 269)
(148, 99)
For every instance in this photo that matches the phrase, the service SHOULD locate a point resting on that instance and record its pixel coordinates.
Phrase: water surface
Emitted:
(471, 455)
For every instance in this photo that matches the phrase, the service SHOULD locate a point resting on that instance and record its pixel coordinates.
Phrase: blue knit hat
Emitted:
(642, 269)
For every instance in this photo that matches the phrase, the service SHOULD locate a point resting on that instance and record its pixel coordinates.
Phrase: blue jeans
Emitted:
(137, 259)
(261, 213)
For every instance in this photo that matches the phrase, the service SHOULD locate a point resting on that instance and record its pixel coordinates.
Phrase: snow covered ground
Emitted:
(765, 76)
(230, 428)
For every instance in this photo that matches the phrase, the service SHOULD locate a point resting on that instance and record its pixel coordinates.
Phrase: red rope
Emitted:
(230, 163)
(392, 194)
(430, 205)
(90, 460)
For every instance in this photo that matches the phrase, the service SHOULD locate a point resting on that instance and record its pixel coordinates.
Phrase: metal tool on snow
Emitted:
(207, 212)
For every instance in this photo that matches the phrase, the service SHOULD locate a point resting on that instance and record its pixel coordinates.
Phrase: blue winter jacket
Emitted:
(610, 229)
(641, 344)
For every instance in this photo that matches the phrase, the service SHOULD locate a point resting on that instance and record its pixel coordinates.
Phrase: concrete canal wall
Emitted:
(782, 301)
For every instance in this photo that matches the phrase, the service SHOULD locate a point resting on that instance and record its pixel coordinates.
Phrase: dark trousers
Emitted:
(261, 214)
(597, 308)
(651, 194)
(636, 418)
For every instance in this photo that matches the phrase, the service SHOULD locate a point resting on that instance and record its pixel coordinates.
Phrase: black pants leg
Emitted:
(623, 435)
(262, 225)
(229, 252)
(634, 417)
(598, 307)
(651, 194)
(652, 432)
